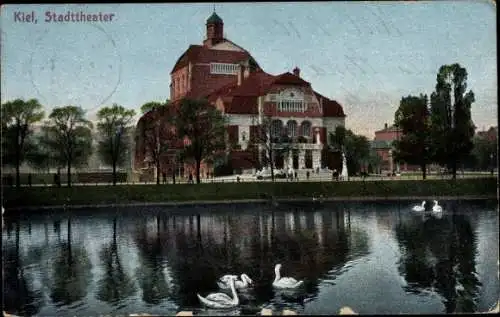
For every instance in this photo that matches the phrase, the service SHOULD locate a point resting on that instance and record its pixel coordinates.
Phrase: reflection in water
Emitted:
(116, 285)
(155, 261)
(439, 255)
(150, 272)
(71, 273)
(19, 294)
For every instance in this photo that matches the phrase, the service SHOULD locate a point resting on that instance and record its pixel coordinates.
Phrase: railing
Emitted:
(301, 177)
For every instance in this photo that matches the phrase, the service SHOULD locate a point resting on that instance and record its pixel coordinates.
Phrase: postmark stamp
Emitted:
(85, 55)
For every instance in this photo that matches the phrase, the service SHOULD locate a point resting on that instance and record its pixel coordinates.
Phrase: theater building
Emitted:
(231, 79)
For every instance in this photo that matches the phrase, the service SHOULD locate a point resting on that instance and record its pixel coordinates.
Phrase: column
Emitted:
(302, 163)
(261, 158)
(316, 158)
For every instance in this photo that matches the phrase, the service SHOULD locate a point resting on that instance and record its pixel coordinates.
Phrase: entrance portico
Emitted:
(300, 156)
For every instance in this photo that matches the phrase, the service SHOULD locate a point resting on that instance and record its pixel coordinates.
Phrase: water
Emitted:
(376, 258)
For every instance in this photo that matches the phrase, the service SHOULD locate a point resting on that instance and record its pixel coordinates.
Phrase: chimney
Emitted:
(296, 71)
(385, 126)
(240, 74)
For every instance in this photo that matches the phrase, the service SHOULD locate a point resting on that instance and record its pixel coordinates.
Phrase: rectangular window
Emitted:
(224, 68)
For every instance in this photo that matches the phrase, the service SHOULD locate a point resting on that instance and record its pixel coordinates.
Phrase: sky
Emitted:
(365, 55)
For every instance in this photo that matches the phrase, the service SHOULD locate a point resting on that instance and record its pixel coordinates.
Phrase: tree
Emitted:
(357, 151)
(414, 146)
(355, 147)
(452, 128)
(18, 117)
(68, 135)
(485, 153)
(374, 162)
(114, 127)
(158, 136)
(153, 105)
(38, 154)
(337, 139)
(269, 143)
(204, 126)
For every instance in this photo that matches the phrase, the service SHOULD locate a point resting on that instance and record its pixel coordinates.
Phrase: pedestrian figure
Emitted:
(164, 177)
(190, 178)
(307, 175)
(296, 176)
(29, 179)
(238, 179)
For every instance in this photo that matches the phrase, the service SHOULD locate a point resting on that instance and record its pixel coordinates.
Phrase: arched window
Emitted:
(291, 127)
(276, 128)
(306, 128)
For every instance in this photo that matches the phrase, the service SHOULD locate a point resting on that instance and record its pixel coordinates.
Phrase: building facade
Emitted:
(231, 79)
(491, 134)
(384, 147)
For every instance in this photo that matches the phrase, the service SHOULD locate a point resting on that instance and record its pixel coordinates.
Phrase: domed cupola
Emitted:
(214, 19)
(215, 30)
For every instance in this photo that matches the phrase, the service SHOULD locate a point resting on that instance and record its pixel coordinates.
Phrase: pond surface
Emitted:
(377, 258)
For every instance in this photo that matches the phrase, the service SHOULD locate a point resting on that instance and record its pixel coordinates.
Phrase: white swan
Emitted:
(224, 281)
(284, 282)
(221, 300)
(419, 207)
(320, 199)
(436, 209)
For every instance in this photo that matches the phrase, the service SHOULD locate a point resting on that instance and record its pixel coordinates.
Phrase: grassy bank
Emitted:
(86, 195)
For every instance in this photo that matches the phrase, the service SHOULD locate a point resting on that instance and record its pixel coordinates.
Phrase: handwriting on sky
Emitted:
(356, 65)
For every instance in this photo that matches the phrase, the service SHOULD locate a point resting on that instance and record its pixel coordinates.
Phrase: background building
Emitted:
(384, 147)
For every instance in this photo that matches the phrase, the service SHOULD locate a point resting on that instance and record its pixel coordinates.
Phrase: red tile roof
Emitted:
(256, 84)
(202, 54)
(243, 99)
(242, 105)
(391, 128)
(290, 79)
(331, 108)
